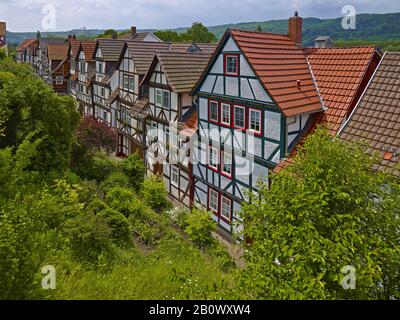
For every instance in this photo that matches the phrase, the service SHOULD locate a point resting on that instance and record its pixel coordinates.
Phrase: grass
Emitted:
(174, 269)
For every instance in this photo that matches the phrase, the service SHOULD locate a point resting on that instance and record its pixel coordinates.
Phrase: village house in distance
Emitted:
(214, 120)
(3, 36)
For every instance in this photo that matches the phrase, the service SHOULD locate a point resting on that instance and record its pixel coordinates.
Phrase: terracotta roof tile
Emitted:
(2, 29)
(280, 64)
(74, 47)
(88, 48)
(376, 119)
(339, 73)
(58, 52)
(182, 69)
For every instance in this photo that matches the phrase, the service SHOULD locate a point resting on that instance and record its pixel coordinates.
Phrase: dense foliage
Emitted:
(325, 212)
(196, 33)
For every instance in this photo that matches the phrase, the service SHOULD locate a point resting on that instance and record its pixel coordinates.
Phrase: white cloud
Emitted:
(25, 15)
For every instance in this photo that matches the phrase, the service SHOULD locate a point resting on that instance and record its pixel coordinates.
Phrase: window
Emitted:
(82, 67)
(232, 65)
(131, 84)
(226, 208)
(226, 164)
(213, 158)
(255, 121)
(175, 176)
(126, 83)
(166, 102)
(213, 200)
(213, 116)
(174, 139)
(158, 97)
(99, 67)
(226, 114)
(240, 117)
(102, 92)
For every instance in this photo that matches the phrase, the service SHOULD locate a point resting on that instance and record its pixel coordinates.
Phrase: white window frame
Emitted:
(159, 97)
(227, 56)
(224, 105)
(166, 94)
(125, 82)
(175, 174)
(260, 122)
(223, 155)
(217, 105)
(131, 85)
(222, 208)
(210, 149)
(102, 92)
(216, 194)
(244, 117)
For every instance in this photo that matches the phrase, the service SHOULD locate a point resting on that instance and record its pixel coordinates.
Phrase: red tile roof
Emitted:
(58, 52)
(74, 45)
(376, 119)
(280, 64)
(88, 48)
(339, 73)
(27, 43)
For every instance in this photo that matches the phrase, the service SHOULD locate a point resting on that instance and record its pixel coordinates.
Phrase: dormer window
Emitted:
(231, 64)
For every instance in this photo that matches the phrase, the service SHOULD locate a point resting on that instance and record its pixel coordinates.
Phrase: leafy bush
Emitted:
(146, 231)
(134, 168)
(116, 179)
(154, 193)
(89, 236)
(178, 215)
(96, 206)
(120, 199)
(118, 223)
(93, 166)
(221, 257)
(200, 227)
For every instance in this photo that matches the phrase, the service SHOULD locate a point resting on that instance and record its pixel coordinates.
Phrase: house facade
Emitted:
(260, 95)
(172, 121)
(85, 74)
(106, 55)
(59, 66)
(3, 36)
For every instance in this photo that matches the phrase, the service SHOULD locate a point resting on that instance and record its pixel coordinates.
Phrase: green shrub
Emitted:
(89, 237)
(97, 206)
(118, 223)
(154, 193)
(200, 227)
(177, 216)
(120, 199)
(147, 231)
(134, 168)
(221, 257)
(116, 179)
(95, 166)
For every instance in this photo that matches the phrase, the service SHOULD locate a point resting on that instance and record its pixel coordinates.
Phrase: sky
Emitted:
(63, 15)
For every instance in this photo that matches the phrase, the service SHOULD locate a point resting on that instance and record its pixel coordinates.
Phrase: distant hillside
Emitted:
(370, 27)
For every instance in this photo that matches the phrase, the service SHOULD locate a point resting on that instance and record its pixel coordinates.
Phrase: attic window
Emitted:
(231, 64)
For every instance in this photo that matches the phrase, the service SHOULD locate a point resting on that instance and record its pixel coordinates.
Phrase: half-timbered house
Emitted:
(172, 119)
(3, 33)
(129, 100)
(86, 69)
(74, 46)
(259, 96)
(58, 59)
(106, 54)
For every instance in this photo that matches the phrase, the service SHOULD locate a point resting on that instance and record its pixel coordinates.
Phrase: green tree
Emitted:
(27, 104)
(326, 211)
(199, 33)
(134, 168)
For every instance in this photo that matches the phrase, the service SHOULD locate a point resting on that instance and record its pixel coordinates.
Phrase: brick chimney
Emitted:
(295, 29)
(133, 31)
